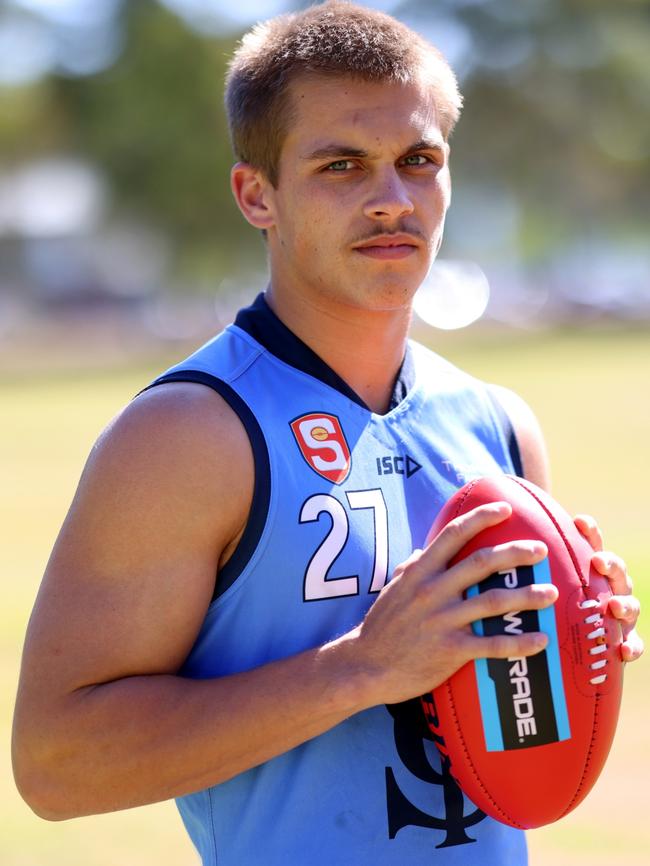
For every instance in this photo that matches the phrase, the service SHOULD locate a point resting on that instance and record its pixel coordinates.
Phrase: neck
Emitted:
(365, 348)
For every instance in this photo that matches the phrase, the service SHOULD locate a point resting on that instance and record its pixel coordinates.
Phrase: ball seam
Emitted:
(471, 767)
(576, 798)
(559, 529)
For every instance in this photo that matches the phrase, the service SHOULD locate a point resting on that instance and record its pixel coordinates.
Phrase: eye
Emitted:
(340, 165)
(416, 159)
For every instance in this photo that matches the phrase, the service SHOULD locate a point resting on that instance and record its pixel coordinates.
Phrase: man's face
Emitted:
(363, 188)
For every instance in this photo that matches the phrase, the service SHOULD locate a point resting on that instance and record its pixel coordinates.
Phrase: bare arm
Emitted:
(103, 721)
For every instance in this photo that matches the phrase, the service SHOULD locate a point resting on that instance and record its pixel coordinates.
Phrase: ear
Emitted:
(253, 194)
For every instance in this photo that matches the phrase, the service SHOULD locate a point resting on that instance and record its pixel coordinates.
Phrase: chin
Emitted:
(386, 299)
(394, 294)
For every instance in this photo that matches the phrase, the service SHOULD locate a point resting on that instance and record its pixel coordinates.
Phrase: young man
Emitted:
(300, 457)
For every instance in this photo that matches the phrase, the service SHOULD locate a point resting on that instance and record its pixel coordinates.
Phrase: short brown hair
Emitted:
(334, 37)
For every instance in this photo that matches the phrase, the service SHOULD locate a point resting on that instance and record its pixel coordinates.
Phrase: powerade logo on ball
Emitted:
(522, 699)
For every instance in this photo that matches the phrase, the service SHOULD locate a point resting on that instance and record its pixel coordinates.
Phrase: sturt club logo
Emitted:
(322, 443)
(455, 819)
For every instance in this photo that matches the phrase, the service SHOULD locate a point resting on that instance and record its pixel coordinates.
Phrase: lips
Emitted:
(388, 247)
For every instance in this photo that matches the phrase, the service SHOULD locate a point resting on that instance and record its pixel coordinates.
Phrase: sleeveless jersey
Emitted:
(342, 496)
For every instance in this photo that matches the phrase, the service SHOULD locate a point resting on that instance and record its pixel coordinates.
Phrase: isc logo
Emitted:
(392, 465)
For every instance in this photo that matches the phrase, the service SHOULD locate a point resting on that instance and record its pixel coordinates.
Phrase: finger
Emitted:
(455, 535)
(497, 602)
(613, 568)
(632, 647)
(490, 560)
(588, 527)
(625, 608)
(411, 562)
(506, 646)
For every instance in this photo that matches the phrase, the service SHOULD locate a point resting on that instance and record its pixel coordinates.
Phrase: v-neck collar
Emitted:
(261, 323)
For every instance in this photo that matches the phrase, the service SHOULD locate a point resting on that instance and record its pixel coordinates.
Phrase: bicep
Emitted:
(133, 570)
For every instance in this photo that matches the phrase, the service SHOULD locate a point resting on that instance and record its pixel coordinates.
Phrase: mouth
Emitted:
(388, 247)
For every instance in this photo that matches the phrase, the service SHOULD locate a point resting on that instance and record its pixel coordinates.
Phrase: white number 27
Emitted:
(317, 584)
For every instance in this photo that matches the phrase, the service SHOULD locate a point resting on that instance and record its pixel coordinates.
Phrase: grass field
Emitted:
(589, 390)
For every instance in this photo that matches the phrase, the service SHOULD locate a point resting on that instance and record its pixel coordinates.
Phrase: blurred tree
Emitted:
(155, 123)
(557, 96)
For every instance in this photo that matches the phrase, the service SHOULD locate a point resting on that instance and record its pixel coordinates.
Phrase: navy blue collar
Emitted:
(263, 325)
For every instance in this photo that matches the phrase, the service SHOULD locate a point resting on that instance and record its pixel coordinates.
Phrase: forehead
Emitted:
(327, 107)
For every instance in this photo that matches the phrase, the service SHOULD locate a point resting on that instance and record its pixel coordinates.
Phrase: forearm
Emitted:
(147, 738)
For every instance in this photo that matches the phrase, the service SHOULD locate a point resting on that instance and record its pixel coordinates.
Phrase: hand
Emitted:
(623, 606)
(418, 632)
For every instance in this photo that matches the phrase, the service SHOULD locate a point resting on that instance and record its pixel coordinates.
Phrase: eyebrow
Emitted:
(336, 149)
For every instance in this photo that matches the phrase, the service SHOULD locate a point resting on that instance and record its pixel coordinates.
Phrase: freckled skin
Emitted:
(319, 214)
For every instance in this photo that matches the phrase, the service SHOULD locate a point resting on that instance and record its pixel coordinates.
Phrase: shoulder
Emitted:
(529, 436)
(525, 426)
(182, 408)
(178, 447)
(180, 420)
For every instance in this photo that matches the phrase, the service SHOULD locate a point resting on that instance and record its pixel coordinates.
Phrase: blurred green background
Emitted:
(120, 249)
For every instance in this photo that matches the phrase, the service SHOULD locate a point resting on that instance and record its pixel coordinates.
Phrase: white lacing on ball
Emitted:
(595, 634)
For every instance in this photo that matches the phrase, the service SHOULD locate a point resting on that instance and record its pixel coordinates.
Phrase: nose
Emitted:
(389, 198)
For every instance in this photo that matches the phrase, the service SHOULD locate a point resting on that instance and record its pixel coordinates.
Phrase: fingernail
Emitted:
(548, 594)
(547, 589)
(540, 640)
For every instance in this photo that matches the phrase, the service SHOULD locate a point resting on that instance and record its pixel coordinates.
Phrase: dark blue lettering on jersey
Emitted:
(395, 465)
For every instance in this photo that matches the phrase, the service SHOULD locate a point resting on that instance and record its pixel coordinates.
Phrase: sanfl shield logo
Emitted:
(322, 443)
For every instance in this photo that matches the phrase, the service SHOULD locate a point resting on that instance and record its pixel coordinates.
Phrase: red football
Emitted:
(526, 738)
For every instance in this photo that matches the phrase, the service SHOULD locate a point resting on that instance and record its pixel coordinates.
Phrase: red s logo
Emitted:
(322, 444)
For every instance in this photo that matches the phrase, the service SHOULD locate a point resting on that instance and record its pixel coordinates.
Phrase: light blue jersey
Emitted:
(341, 497)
